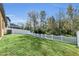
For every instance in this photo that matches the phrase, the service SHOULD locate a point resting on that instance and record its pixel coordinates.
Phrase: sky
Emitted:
(17, 12)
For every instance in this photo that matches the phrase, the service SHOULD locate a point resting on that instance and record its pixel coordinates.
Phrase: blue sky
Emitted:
(18, 11)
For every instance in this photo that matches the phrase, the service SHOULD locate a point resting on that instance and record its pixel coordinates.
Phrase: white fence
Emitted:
(71, 40)
(19, 31)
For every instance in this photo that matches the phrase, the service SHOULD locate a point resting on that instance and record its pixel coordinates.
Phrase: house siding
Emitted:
(2, 23)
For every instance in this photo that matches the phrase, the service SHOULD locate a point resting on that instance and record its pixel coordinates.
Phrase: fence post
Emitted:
(52, 37)
(46, 36)
(77, 38)
(41, 35)
(61, 38)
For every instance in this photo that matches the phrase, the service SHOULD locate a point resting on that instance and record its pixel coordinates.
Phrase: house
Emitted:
(12, 25)
(2, 21)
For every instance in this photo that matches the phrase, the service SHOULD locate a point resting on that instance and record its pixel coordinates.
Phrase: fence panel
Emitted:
(71, 40)
(57, 37)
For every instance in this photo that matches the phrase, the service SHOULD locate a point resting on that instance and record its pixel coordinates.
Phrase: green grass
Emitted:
(27, 45)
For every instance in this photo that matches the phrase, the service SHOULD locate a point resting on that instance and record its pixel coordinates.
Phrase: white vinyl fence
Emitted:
(71, 40)
(19, 31)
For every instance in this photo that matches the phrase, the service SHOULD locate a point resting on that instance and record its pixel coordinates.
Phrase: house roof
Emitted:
(3, 12)
(8, 19)
(12, 25)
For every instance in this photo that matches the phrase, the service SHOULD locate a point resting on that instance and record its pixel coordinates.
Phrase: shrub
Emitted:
(9, 31)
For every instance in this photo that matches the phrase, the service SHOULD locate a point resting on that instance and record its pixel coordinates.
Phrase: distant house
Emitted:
(12, 25)
(2, 21)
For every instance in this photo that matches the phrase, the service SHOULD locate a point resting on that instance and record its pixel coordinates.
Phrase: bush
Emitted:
(9, 31)
(39, 31)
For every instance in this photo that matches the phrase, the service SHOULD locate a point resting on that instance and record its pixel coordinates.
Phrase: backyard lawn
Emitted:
(27, 45)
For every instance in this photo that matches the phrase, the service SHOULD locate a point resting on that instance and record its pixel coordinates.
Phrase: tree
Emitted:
(51, 22)
(66, 27)
(51, 25)
(60, 16)
(70, 11)
(76, 19)
(42, 18)
(33, 17)
(28, 25)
